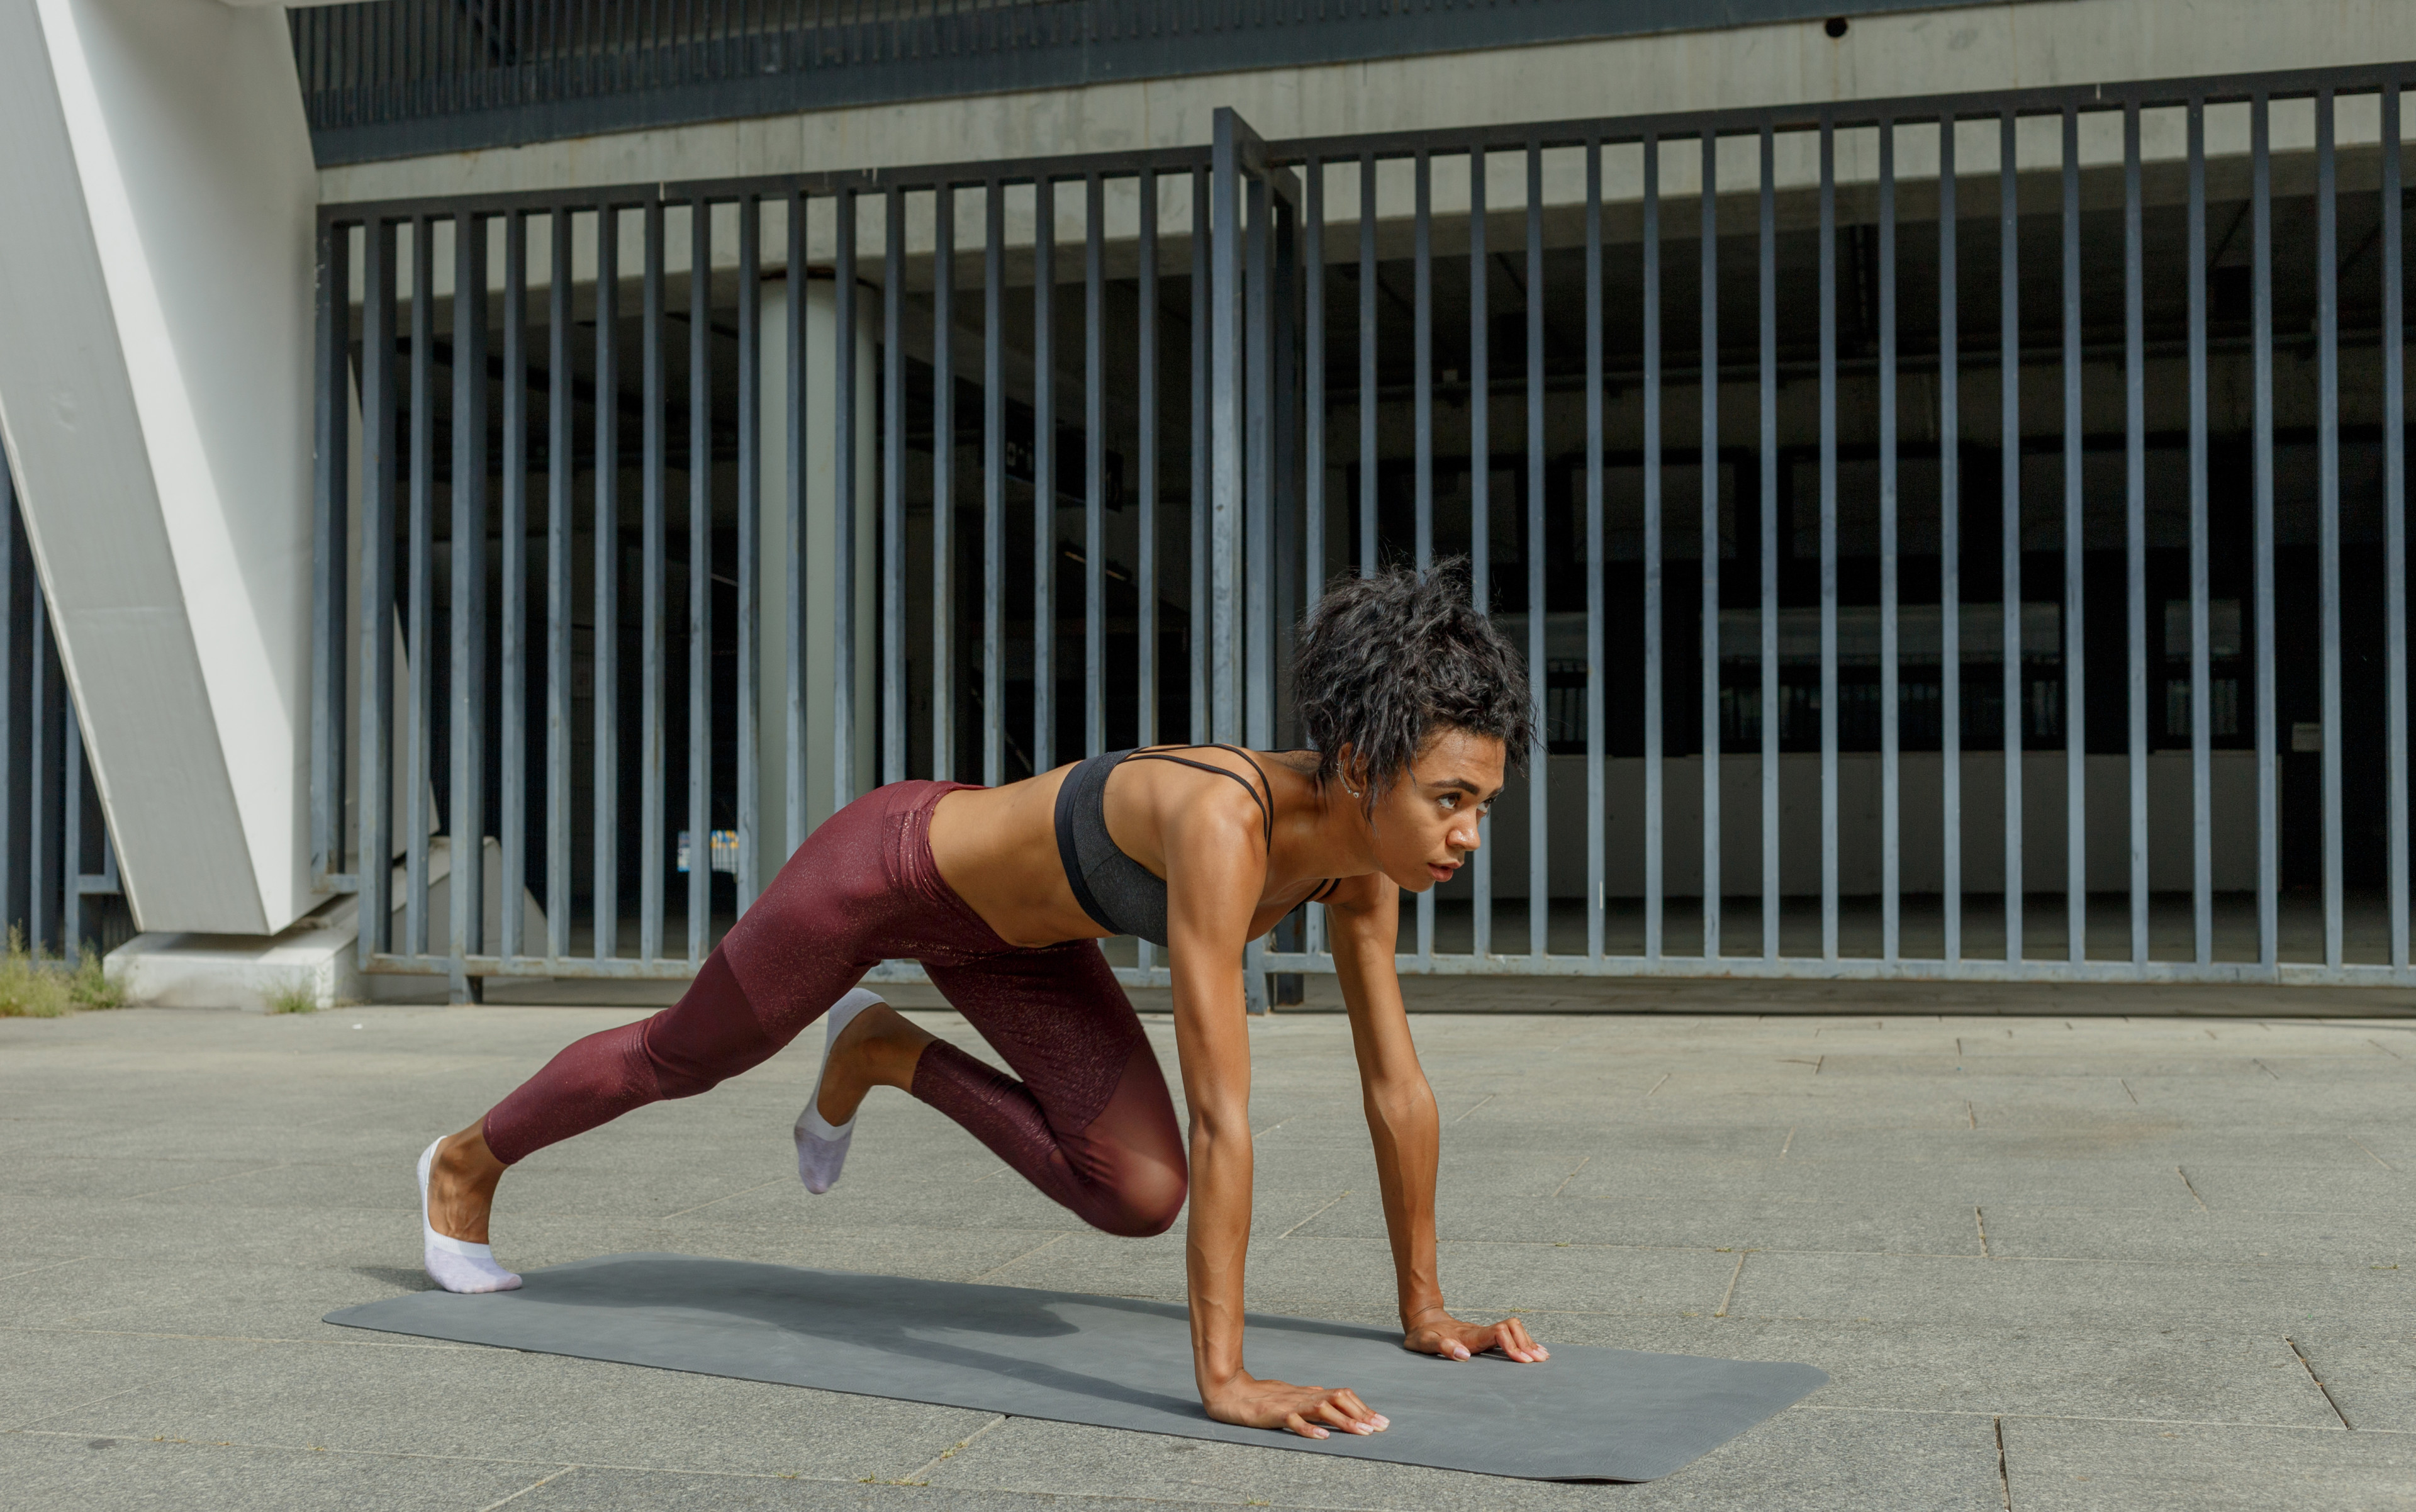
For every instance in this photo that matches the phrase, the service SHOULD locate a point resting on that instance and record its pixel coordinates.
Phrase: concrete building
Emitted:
(604, 443)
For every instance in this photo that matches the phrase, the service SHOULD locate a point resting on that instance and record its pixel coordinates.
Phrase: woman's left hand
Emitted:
(1439, 1332)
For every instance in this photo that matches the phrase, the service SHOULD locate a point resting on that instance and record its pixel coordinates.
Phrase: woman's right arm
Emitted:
(1216, 871)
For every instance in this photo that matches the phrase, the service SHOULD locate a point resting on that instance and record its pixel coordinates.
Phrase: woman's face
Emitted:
(1426, 823)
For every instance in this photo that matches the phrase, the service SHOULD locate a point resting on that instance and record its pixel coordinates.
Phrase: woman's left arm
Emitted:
(1364, 926)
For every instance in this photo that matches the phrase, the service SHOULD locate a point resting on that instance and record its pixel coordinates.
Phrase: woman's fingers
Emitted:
(1520, 1344)
(1303, 1427)
(1351, 1399)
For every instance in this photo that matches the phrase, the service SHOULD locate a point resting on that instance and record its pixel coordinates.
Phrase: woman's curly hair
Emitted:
(1384, 664)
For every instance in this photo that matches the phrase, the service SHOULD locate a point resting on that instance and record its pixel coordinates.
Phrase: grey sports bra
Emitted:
(1120, 894)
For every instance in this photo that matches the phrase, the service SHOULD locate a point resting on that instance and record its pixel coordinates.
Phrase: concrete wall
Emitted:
(1970, 48)
(156, 217)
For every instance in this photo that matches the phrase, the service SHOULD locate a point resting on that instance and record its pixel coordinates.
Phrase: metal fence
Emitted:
(50, 823)
(1851, 474)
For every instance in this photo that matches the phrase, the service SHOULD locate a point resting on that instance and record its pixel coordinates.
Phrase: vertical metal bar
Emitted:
(1225, 424)
(794, 743)
(374, 705)
(1539, 784)
(2394, 500)
(2201, 785)
(331, 551)
(699, 580)
(1422, 378)
(844, 546)
(1145, 570)
(1710, 467)
(1421, 424)
(2328, 473)
(944, 483)
(2269, 796)
(653, 631)
(420, 647)
(605, 837)
(1044, 473)
(1890, 685)
(2076, 706)
(1255, 622)
(1369, 401)
(11, 530)
(993, 483)
(1094, 462)
(751, 505)
(1770, 712)
(1313, 385)
(893, 491)
(1480, 478)
(2136, 521)
(70, 827)
(1652, 627)
(1950, 553)
(43, 872)
(1595, 797)
(1828, 540)
(513, 819)
(2009, 559)
(1199, 629)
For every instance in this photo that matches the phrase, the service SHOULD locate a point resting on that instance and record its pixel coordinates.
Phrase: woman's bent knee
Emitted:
(1145, 1205)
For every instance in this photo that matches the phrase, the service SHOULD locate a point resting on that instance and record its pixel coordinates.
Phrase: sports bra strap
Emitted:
(1266, 805)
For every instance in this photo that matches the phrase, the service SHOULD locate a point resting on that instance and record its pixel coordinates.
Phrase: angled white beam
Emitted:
(157, 207)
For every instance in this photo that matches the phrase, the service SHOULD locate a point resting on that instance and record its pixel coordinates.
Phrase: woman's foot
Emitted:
(456, 1190)
(867, 1044)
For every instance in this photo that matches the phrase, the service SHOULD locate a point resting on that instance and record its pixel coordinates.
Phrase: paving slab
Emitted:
(94, 1472)
(2055, 1466)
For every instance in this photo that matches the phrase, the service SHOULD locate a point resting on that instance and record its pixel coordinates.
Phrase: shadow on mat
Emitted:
(865, 1311)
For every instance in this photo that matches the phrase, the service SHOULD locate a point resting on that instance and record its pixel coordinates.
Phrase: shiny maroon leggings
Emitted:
(1090, 1123)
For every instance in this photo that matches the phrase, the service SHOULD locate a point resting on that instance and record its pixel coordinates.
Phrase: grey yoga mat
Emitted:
(1586, 1414)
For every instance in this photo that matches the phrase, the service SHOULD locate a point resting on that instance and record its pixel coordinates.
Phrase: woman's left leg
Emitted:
(1090, 1122)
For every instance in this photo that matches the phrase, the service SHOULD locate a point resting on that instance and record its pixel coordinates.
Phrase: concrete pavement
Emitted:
(2049, 1263)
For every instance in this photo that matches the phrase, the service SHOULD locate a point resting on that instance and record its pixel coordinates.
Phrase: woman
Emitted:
(1414, 705)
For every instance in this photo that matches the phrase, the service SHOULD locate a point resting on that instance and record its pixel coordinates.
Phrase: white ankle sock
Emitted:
(456, 1264)
(822, 1149)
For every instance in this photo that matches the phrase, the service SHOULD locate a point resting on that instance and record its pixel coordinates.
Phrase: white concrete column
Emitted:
(156, 211)
(818, 559)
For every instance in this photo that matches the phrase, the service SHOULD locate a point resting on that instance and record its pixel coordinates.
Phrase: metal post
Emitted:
(2076, 706)
(944, 483)
(1653, 881)
(750, 495)
(2009, 513)
(844, 542)
(512, 820)
(374, 855)
(1595, 798)
(1950, 552)
(420, 647)
(1422, 427)
(653, 631)
(1225, 423)
(894, 693)
(1828, 540)
(1769, 553)
(1480, 471)
(793, 530)
(2268, 806)
(1369, 277)
(1198, 630)
(606, 655)
(1094, 463)
(993, 483)
(2328, 504)
(330, 550)
(2136, 522)
(1539, 784)
(2201, 784)
(2394, 501)
(1710, 467)
(699, 580)
(1044, 473)
(1891, 646)
(466, 610)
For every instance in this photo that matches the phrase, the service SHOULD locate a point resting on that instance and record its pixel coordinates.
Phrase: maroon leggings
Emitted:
(1090, 1124)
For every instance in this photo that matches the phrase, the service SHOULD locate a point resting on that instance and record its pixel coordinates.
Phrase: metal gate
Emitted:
(1955, 538)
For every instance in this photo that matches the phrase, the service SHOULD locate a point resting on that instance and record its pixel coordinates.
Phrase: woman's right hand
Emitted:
(1311, 1411)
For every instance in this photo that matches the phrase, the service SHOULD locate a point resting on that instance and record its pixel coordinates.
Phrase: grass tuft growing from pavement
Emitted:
(33, 985)
(293, 995)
